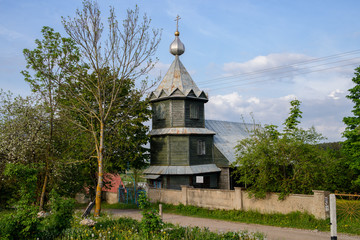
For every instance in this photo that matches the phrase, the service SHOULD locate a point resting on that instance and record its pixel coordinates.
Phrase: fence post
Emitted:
(184, 197)
(238, 198)
(160, 211)
(333, 223)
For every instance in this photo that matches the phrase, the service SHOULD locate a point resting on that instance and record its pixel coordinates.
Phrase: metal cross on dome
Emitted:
(177, 22)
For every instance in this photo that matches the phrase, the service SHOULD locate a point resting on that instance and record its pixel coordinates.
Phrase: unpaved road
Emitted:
(272, 233)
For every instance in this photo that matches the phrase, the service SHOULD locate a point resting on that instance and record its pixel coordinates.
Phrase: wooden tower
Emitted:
(181, 146)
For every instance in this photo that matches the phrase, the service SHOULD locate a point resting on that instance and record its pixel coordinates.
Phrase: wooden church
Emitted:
(186, 149)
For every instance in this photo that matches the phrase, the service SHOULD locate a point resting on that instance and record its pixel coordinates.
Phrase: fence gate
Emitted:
(129, 195)
(348, 212)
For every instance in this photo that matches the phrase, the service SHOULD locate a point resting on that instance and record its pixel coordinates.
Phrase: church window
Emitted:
(160, 111)
(201, 147)
(194, 111)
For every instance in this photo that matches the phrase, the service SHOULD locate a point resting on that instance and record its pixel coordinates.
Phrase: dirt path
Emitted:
(272, 233)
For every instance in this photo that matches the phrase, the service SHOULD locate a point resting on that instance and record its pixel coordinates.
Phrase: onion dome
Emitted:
(177, 82)
(177, 47)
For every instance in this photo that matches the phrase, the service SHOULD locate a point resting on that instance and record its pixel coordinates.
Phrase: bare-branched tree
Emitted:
(124, 55)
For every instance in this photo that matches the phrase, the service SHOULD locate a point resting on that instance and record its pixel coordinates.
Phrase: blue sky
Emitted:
(225, 41)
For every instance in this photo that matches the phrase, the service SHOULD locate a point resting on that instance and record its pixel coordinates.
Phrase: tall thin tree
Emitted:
(125, 54)
(51, 62)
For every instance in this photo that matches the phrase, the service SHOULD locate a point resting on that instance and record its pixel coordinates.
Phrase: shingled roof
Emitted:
(177, 78)
(228, 134)
(177, 82)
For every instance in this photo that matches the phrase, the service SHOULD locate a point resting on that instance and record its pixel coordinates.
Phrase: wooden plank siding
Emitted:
(161, 123)
(159, 150)
(177, 113)
(191, 122)
(196, 159)
(219, 159)
(179, 150)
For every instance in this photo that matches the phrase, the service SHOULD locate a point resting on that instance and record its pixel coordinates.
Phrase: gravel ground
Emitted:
(272, 233)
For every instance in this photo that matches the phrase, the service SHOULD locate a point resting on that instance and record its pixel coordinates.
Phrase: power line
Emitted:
(239, 85)
(285, 66)
(289, 70)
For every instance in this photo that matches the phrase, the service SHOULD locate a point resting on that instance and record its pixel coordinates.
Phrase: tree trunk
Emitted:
(48, 154)
(43, 190)
(100, 172)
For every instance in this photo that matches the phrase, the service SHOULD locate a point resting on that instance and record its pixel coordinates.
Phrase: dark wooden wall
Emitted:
(176, 113)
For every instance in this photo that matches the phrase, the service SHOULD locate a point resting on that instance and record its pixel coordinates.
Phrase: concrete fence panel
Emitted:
(211, 198)
(239, 199)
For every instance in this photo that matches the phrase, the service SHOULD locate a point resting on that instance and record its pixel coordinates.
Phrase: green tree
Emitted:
(52, 61)
(22, 137)
(24, 129)
(126, 134)
(351, 145)
(285, 162)
(124, 56)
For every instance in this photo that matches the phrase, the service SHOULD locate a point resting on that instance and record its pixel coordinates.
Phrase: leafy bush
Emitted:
(62, 211)
(151, 221)
(20, 224)
(126, 228)
(285, 162)
(23, 222)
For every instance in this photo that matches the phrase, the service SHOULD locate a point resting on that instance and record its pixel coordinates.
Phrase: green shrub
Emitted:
(20, 224)
(23, 222)
(151, 221)
(62, 211)
(126, 228)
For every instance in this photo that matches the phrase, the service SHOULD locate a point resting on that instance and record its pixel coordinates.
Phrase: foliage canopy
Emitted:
(285, 162)
(351, 146)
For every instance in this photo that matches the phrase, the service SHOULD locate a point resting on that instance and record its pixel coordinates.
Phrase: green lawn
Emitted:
(348, 216)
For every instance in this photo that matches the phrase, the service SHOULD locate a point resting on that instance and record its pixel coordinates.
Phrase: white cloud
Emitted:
(261, 77)
(324, 114)
(335, 94)
(9, 34)
(259, 63)
(253, 100)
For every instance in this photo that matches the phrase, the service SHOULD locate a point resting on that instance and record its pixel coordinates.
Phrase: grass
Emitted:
(292, 220)
(119, 206)
(348, 216)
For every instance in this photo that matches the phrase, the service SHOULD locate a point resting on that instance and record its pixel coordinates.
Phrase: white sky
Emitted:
(224, 39)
